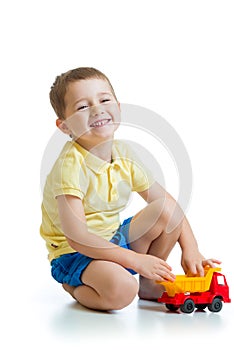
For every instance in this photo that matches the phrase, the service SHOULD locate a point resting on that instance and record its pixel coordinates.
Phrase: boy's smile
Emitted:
(100, 123)
(92, 113)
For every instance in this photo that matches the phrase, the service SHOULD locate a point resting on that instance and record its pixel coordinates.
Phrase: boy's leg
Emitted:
(148, 235)
(107, 286)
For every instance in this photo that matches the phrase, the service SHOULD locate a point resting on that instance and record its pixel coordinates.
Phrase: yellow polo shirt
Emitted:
(103, 187)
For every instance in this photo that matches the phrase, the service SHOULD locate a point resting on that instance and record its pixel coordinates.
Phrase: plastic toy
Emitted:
(187, 293)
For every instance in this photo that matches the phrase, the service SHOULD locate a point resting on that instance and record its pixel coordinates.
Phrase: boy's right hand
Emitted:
(153, 268)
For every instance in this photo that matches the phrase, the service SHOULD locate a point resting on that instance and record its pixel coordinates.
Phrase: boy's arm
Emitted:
(73, 222)
(192, 260)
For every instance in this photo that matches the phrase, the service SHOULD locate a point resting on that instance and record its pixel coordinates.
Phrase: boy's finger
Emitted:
(166, 265)
(200, 270)
(211, 262)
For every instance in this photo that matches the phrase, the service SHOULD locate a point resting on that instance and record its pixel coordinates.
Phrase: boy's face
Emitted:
(92, 113)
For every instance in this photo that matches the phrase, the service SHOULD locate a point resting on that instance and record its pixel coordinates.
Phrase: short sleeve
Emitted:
(69, 173)
(141, 176)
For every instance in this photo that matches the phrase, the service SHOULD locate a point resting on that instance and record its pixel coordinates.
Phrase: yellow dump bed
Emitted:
(185, 283)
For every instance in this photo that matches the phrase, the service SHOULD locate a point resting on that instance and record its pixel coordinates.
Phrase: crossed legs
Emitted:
(109, 286)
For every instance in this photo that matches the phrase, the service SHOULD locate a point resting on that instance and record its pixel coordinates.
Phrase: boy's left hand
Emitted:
(193, 263)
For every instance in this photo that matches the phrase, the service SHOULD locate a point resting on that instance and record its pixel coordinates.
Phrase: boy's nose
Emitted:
(96, 110)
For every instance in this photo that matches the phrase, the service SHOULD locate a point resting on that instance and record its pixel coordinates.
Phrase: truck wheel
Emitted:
(172, 307)
(188, 306)
(216, 305)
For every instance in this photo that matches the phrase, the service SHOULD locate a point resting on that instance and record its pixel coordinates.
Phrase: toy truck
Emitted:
(187, 293)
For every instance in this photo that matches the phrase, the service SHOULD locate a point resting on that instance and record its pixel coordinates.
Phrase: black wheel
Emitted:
(216, 305)
(201, 306)
(172, 307)
(188, 306)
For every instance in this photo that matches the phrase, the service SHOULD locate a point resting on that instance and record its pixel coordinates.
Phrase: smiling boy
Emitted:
(92, 254)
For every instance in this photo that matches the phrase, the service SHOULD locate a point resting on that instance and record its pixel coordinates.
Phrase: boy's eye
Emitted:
(82, 108)
(105, 100)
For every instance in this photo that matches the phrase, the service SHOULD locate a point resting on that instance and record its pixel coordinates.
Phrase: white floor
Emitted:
(47, 317)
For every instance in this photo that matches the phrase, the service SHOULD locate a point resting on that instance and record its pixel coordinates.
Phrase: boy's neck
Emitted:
(102, 150)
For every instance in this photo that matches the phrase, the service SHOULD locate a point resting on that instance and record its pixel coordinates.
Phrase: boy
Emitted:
(91, 254)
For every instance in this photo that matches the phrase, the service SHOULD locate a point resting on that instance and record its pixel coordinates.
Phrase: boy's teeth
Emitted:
(100, 123)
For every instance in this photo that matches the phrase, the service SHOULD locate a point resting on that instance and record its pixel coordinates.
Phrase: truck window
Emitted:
(220, 280)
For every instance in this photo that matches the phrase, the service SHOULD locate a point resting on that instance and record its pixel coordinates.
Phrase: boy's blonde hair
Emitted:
(59, 88)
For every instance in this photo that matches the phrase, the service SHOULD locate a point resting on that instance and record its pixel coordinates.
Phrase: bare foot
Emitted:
(149, 289)
(69, 289)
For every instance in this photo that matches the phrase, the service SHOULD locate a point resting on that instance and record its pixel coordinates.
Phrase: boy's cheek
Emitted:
(76, 126)
(114, 110)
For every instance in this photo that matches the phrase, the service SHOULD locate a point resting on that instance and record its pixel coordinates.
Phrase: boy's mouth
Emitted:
(99, 123)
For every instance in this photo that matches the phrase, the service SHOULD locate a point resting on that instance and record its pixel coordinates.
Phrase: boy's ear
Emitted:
(60, 123)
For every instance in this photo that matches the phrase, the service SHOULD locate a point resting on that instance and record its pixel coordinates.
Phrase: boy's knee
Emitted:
(170, 214)
(122, 291)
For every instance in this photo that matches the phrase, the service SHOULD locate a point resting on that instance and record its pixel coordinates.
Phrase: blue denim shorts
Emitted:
(68, 268)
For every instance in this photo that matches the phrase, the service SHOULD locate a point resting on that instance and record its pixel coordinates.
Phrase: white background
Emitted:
(173, 57)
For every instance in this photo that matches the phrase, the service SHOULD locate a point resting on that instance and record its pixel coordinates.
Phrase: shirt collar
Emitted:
(97, 164)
